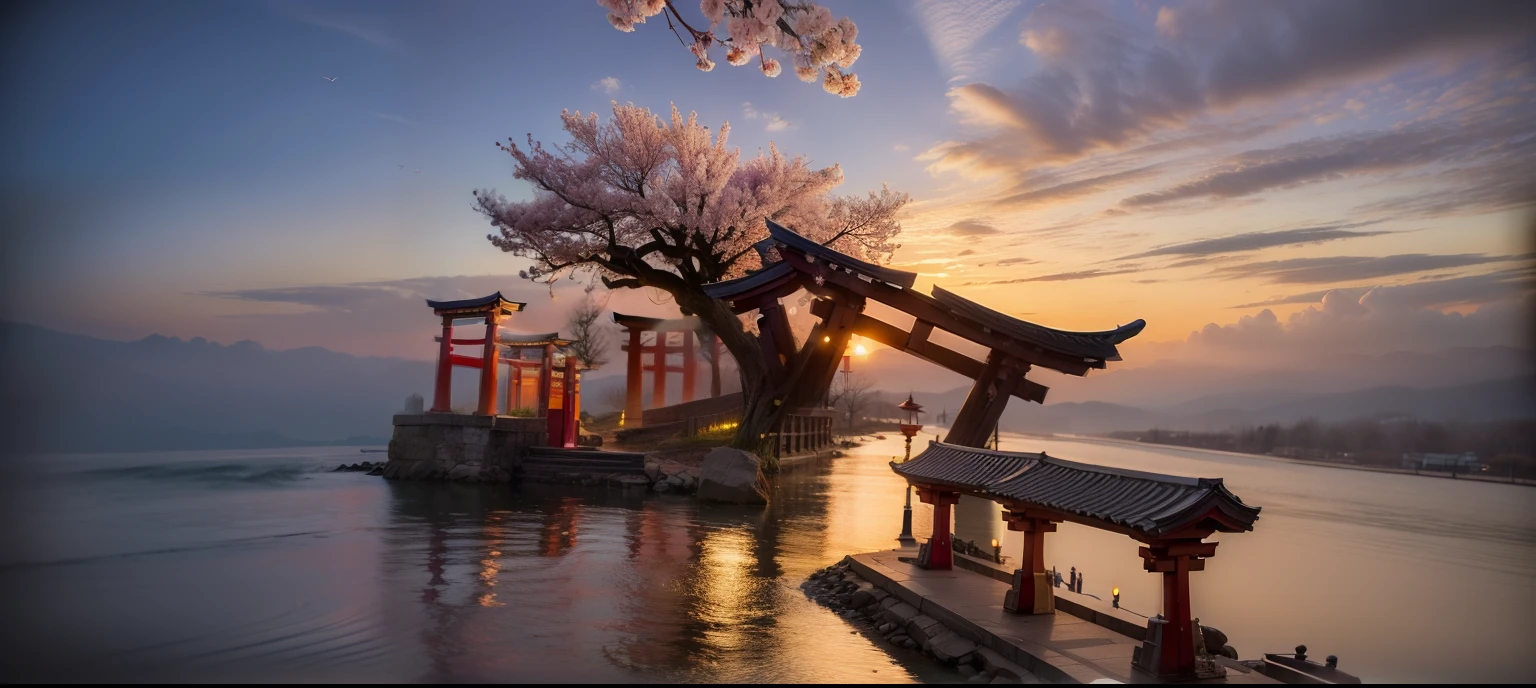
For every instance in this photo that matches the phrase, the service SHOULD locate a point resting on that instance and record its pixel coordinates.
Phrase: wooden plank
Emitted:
(894, 337)
(924, 308)
(919, 334)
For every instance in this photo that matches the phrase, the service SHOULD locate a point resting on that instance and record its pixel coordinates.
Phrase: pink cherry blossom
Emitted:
(806, 31)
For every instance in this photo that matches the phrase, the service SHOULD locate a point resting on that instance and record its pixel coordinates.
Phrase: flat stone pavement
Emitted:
(1057, 648)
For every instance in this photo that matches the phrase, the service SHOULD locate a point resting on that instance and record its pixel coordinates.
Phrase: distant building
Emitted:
(1460, 463)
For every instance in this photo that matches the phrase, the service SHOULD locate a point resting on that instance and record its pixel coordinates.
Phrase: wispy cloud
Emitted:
(955, 29)
(772, 120)
(1059, 277)
(1253, 241)
(607, 84)
(352, 27)
(970, 228)
(1334, 269)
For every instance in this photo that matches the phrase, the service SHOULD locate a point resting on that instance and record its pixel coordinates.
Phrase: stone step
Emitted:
(531, 460)
(579, 467)
(585, 453)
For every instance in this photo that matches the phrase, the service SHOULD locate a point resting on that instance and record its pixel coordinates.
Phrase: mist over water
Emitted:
(261, 565)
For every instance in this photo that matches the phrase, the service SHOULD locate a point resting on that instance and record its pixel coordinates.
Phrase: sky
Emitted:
(1252, 178)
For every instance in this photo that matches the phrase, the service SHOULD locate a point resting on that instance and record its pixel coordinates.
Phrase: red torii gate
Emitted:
(559, 386)
(493, 309)
(692, 345)
(1171, 515)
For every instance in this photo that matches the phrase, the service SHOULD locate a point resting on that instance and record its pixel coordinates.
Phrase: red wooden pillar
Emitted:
(488, 370)
(690, 365)
(443, 389)
(940, 548)
(546, 376)
(1175, 560)
(515, 385)
(1029, 580)
(571, 411)
(554, 418)
(659, 371)
(632, 382)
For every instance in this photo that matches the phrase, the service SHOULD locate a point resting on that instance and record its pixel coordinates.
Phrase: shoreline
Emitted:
(1285, 459)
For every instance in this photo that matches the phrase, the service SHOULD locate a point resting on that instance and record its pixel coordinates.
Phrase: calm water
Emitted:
(258, 565)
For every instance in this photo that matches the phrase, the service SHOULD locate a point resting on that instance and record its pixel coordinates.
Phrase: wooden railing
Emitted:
(803, 433)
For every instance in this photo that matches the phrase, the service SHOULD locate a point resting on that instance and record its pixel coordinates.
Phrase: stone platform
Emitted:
(463, 447)
(1063, 647)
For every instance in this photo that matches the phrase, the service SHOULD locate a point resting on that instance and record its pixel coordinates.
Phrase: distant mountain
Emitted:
(66, 392)
(1507, 398)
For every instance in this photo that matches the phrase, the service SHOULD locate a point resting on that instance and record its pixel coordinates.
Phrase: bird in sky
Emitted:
(402, 167)
(418, 170)
(330, 78)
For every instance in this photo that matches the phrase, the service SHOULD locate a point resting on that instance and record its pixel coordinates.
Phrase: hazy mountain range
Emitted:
(66, 392)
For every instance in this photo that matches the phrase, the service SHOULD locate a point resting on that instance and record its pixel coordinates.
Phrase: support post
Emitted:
(488, 371)
(939, 552)
(1175, 560)
(572, 413)
(443, 389)
(1031, 591)
(714, 365)
(546, 378)
(659, 371)
(985, 403)
(515, 397)
(690, 366)
(632, 383)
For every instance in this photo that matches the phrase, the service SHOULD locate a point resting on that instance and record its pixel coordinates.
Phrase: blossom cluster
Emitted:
(818, 45)
(618, 184)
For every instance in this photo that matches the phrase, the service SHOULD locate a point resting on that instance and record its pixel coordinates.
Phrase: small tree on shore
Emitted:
(589, 339)
(645, 204)
(851, 394)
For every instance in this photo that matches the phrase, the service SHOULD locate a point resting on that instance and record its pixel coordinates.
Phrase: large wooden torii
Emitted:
(844, 284)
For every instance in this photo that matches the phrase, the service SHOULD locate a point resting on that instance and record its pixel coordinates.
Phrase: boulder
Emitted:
(861, 599)
(676, 481)
(652, 470)
(377, 470)
(732, 476)
(1214, 639)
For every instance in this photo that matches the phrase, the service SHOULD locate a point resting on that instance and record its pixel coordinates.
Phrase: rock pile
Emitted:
(671, 476)
(369, 466)
(880, 613)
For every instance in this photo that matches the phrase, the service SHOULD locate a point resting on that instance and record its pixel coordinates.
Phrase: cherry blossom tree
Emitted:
(643, 203)
(818, 45)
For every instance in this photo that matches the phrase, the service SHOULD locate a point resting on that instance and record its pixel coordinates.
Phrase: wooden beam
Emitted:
(989, 396)
(894, 337)
(467, 361)
(924, 308)
(818, 360)
(777, 341)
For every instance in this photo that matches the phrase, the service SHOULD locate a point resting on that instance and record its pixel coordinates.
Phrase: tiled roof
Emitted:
(484, 301)
(809, 247)
(1152, 504)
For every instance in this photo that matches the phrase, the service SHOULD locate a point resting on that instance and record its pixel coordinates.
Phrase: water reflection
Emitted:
(548, 583)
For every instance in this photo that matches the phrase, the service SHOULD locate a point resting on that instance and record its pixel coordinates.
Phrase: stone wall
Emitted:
(451, 446)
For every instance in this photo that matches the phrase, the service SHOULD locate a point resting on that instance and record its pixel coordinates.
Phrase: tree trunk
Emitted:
(762, 399)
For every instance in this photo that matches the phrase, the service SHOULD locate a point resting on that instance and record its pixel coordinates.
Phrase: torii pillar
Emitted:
(939, 552)
(1175, 559)
(1031, 592)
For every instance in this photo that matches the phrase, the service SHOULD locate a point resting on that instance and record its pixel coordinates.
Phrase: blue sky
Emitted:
(183, 167)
